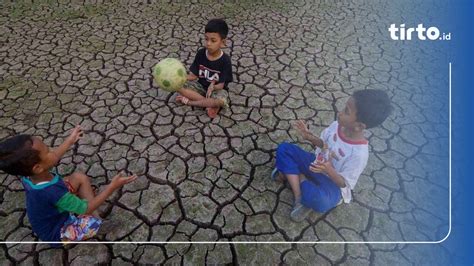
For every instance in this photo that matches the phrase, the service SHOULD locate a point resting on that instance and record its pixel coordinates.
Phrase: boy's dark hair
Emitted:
(219, 26)
(17, 156)
(373, 107)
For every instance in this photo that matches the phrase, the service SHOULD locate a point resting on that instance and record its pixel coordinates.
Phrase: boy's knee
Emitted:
(283, 147)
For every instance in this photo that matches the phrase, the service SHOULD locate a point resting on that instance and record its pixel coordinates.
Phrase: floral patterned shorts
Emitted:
(80, 227)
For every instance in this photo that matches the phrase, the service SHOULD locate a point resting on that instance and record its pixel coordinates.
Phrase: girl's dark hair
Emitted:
(373, 106)
(17, 156)
(219, 26)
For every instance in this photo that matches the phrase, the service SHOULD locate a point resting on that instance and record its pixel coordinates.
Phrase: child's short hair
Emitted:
(219, 26)
(17, 156)
(373, 106)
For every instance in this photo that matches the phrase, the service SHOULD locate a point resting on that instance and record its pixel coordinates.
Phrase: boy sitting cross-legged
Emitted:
(319, 180)
(213, 70)
(58, 208)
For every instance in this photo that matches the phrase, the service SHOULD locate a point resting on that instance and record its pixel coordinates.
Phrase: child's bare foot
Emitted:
(182, 99)
(212, 111)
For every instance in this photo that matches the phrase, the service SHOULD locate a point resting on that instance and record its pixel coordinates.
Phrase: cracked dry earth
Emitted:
(208, 180)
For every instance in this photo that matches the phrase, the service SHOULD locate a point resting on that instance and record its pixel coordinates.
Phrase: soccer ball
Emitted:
(170, 74)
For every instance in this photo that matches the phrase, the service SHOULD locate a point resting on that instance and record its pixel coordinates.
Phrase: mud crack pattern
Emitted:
(66, 63)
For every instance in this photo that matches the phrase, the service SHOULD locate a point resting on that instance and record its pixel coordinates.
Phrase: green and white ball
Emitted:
(170, 74)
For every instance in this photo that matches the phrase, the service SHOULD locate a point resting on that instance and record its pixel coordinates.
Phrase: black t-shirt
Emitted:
(219, 70)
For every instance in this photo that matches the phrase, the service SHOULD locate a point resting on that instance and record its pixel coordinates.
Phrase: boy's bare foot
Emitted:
(212, 111)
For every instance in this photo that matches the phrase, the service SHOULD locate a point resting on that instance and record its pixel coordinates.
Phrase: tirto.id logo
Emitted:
(432, 33)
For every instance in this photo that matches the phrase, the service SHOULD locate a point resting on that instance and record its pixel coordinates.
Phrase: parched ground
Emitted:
(64, 64)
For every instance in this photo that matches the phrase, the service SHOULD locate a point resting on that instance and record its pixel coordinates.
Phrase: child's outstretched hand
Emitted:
(117, 182)
(120, 180)
(301, 126)
(75, 135)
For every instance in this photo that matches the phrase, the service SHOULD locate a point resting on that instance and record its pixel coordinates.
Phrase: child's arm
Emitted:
(219, 86)
(191, 77)
(75, 135)
(212, 87)
(72, 203)
(117, 182)
(225, 77)
(307, 135)
(329, 170)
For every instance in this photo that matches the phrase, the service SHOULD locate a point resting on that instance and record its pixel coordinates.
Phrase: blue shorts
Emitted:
(318, 191)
